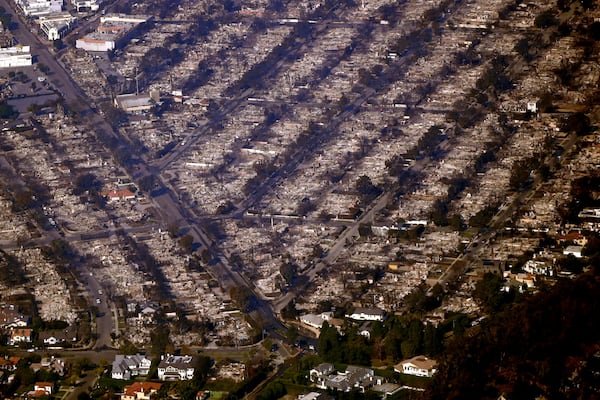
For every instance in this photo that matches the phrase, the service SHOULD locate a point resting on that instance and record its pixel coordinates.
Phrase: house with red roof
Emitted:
(45, 387)
(140, 390)
(118, 195)
(19, 335)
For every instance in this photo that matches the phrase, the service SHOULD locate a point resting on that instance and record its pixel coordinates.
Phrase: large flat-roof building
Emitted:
(56, 26)
(17, 56)
(37, 8)
(114, 30)
(133, 103)
(86, 5)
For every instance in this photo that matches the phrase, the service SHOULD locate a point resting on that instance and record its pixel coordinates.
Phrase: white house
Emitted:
(12, 318)
(316, 320)
(574, 250)
(127, 366)
(367, 314)
(43, 387)
(58, 336)
(320, 372)
(176, 368)
(17, 56)
(313, 396)
(365, 329)
(19, 335)
(36, 8)
(359, 378)
(538, 268)
(417, 366)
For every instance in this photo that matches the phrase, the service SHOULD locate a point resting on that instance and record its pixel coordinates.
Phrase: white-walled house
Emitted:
(417, 366)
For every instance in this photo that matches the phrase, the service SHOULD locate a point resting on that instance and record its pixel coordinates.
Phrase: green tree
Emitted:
(290, 311)
(328, 346)
(159, 339)
(288, 271)
(520, 175)
(545, 19)
(86, 182)
(128, 348)
(272, 391)
(438, 213)
(523, 47)
(147, 183)
(483, 217)
(243, 297)
(365, 186)
(291, 334)
(187, 243)
(6, 110)
(578, 123)
(409, 349)
(488, 292)
(571, 263)
(432, 340)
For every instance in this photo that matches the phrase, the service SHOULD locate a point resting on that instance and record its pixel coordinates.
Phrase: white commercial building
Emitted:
(96, 41)
(86, 5)
(17, 56)
(36, 8)
(57, 25)
(134, 102)
(113, 31)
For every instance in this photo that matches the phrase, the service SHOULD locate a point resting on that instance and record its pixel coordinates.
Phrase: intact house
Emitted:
(318, 373)
(573, 250)
(19, 335)
(203, 395)
(58, 336)
(366, 329)
(52, 364)
(353, 378)
(176, 368)
(367, 314)
(127, 366)
(417, 366)
(118, 195)
(44, 387)
(11, 318)
(140, 391)
(316, 320)
(9, 363)
(314, 396)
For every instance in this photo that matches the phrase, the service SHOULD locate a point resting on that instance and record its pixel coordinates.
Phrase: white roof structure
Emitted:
(36, 8)
(17, 56)
(417, 366)
(134, 102)
(114, 30)
(56, 25)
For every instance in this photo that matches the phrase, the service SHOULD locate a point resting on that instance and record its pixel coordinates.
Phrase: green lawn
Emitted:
(217, 395)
